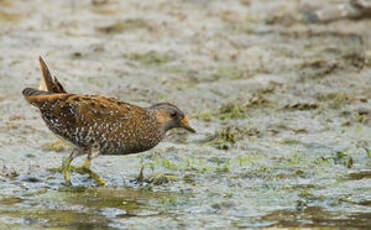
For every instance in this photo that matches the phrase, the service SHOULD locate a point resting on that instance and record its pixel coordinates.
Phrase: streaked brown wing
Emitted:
(101, 119)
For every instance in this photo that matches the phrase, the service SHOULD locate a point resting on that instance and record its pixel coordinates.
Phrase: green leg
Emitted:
(86, 163)
(140, 178)
(66, 165)
(66, 169)
(86, 169)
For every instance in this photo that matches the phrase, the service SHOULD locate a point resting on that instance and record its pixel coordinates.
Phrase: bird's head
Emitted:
(171, 117)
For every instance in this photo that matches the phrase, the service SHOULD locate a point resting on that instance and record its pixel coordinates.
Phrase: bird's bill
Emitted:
(184, 124)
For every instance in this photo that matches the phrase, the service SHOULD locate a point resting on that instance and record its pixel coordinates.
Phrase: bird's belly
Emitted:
(124, 148)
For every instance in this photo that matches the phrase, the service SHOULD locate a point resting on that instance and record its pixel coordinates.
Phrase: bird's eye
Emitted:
(173, 113)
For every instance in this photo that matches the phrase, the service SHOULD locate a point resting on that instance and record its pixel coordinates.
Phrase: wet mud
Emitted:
(281, 105)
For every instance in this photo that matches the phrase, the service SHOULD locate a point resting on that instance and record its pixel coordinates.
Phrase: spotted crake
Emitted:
(98, 125)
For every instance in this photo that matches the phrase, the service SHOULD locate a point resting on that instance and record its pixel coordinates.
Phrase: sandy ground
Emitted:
(281, 106)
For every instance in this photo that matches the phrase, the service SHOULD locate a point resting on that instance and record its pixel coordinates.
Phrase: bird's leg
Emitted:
(66, 169)
(140, 178)
(66, 165)
(85, 168)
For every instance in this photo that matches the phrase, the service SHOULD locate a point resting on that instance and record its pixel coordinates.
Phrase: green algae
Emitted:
(289, 141)
(124, 26)
(318, 68)
(225, 138)
(203, 116)
(234, 110)
(105, 198)
(368, 151)
(338, 158)
(335, 100)
(230, 72)
(301, 106)
(99, 204)
(269, 93)
(10, 201)
(57, 219)
(231, 111)
(159, 179)
(150, 58)
(315, 217)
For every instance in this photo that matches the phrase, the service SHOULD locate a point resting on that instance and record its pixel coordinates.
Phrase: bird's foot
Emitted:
(91, 173)
(80, 170)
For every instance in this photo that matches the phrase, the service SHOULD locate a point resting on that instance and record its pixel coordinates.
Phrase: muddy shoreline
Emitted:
(281, 105)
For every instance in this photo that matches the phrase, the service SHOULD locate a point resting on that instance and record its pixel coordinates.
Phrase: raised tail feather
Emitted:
(50, 88)
(48, 82)
(27, 92)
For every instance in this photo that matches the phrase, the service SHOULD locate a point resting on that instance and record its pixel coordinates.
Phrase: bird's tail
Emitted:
(38, 97)
(48, 82)
(27, 92)
(49, 89)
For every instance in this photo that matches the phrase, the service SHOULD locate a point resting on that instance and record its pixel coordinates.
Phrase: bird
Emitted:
(98, 125)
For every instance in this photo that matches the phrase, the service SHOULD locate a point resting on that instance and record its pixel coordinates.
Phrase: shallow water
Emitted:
(281, 108)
